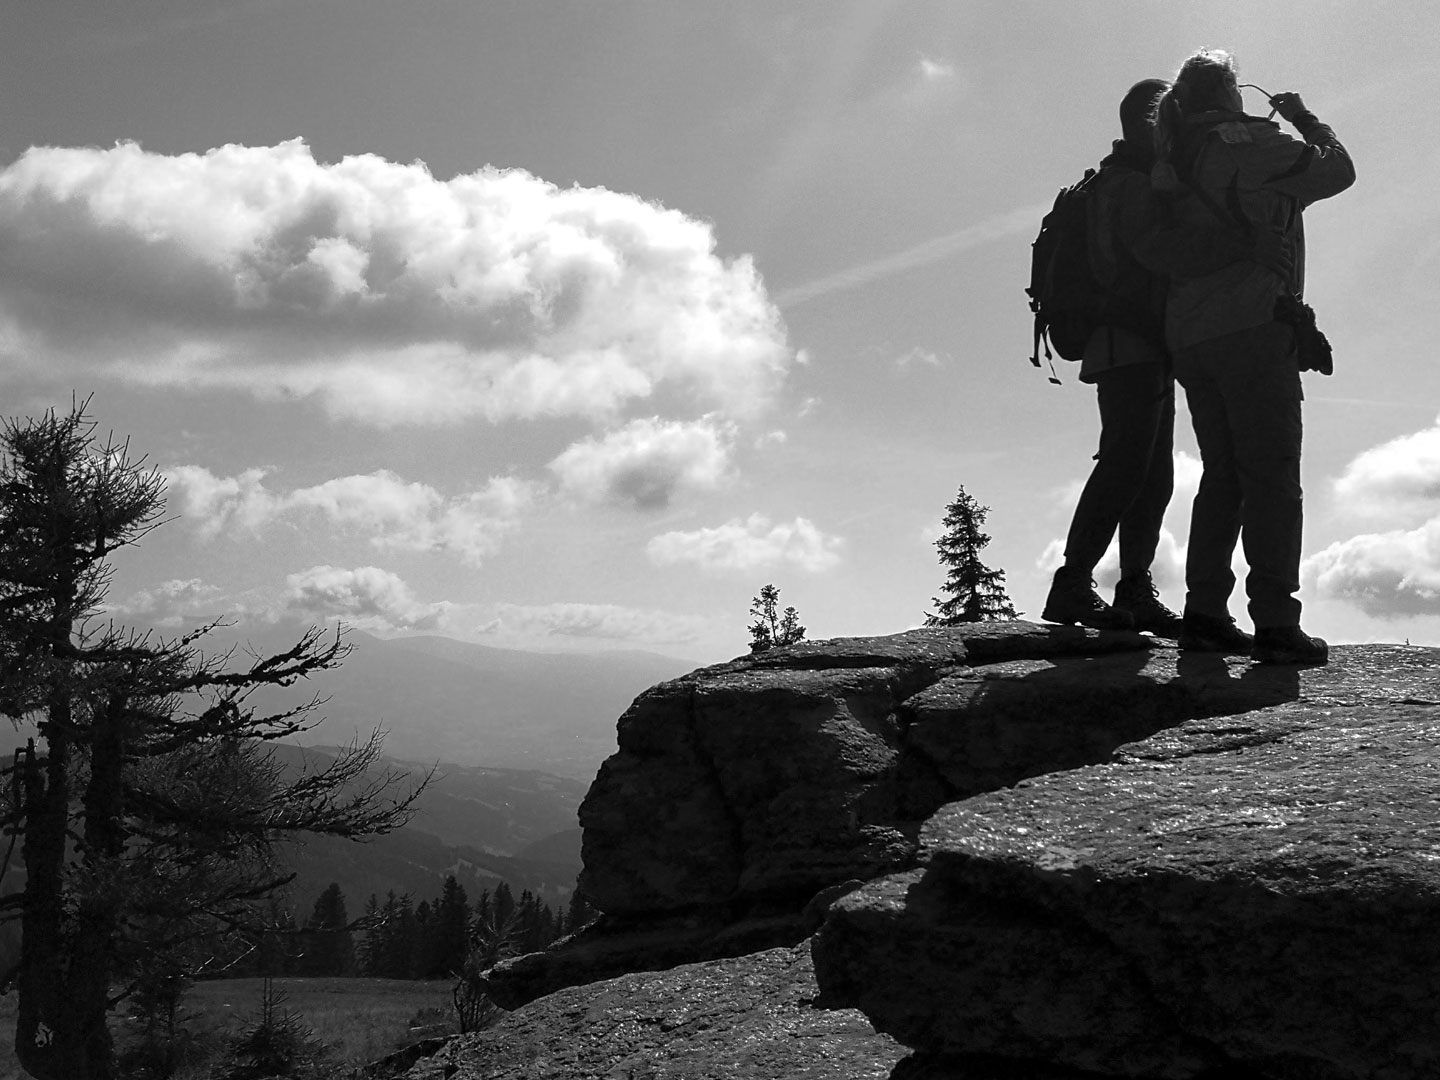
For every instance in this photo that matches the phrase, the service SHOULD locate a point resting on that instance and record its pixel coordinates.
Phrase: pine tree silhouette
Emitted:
(976, 592)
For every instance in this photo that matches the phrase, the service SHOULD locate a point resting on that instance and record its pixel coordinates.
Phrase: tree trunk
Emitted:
(41, 1009)
(92, 959)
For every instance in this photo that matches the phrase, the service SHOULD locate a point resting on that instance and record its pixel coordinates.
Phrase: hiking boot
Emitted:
(1073, 599)
(1141, 599)
(1212, 633)
(1287, 645)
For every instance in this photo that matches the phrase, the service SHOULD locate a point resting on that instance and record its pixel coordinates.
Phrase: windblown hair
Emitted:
(1204, 82)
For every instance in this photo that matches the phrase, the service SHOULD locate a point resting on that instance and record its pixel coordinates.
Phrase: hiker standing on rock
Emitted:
(1233, 336)
(1125, 358)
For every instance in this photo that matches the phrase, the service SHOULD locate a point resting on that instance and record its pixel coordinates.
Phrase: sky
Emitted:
(569, 325)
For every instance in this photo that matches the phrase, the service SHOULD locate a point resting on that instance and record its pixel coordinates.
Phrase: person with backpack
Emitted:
(1233, 335)
(1100, 303)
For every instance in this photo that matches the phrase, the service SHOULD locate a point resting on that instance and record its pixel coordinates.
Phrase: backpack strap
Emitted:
(1042, 339)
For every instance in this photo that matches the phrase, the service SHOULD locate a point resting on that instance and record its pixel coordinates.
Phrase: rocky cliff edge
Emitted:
(1084, 854)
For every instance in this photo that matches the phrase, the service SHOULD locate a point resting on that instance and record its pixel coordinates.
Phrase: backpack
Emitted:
(1065, 292)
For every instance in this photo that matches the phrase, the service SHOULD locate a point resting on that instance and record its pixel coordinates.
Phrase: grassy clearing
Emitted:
(360, 1019)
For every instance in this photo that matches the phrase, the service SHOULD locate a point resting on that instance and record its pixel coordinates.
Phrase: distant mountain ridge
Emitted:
(440, 699)
(517, 736)
(443, 699)
(484, 826)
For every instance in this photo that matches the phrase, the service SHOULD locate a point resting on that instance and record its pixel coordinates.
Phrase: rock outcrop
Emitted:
(747, 1018)
(1259, 894)
(1086, 855)
(751, 1017)
(809, 765)
(742, 791)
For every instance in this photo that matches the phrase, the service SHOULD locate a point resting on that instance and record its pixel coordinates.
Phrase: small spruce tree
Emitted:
(450, 930)
(772, 628)
(976, 592)
(328, 947)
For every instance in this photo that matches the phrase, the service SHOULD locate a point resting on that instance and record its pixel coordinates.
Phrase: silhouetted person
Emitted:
(1236, 173)
(1126, 359)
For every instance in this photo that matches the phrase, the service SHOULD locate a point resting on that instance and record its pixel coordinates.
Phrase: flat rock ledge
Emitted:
(1255, 895)
(753, 1017)
(747, 1018)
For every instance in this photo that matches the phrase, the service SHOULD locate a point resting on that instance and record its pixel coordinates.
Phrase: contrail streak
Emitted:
(1024, 220)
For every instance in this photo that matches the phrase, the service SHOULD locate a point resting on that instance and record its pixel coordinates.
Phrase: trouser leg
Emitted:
(1131, 408)
(1215, 513)
(1140, 525)
(1264, 397)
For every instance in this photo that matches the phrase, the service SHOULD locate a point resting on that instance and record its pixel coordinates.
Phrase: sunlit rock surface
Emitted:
(751, 1017)
(747, 1018)
(1257, 892)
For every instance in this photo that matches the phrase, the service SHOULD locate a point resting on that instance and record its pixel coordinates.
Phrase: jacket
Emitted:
(1138, 247)
(1135, 332)
(1259, 176)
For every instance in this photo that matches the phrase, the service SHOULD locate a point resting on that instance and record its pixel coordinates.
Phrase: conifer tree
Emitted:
(976, 592)
(145, 793)
(578, 913)
(772, 629)
(451, 930)
(370, 944)
(398, 954)
(327, 945)
(502, 904)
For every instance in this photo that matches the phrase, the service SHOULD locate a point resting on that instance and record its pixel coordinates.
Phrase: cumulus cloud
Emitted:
(1397, 481)
(388, 295)
(750, 544)
(174, 603)
(366, 596)
(1387, 575)
(609, 621)
(647, 462)
(394, 513)
(1394, 573)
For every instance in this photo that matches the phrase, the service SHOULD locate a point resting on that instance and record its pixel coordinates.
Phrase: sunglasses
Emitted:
(1268, 95)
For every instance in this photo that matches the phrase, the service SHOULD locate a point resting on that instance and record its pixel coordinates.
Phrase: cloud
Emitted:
(1398, 481)
(382, 292)
(935, 71)
(1168, 568)
(366, 596)
(177, 602)
(751, 544)
(1387, 575)
(608, 621)
(917, 355)
(395, 514)
(213, 503)
(647, 463)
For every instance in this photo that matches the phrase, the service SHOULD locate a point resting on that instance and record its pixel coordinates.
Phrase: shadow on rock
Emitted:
(991, 727)
(982, 1067)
